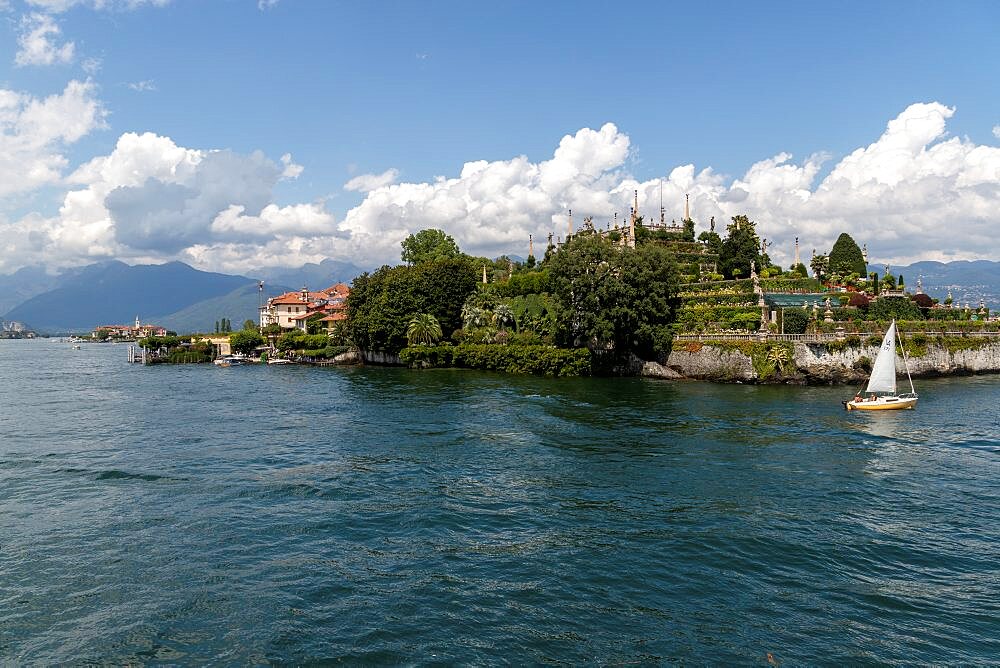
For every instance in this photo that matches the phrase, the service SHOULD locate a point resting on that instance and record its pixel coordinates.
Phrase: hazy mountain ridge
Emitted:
(968, 280)
(312, 275)
(115, 293)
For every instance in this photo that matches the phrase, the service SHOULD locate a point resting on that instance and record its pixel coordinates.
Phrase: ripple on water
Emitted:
(187, 515)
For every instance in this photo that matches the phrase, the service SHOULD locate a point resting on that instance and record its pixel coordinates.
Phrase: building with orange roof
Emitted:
(294, 309)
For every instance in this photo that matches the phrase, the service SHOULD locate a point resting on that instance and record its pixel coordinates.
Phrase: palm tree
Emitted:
(423, 329)
(820, 264)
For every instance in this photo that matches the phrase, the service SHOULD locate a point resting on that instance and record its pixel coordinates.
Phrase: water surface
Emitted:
(192, 514)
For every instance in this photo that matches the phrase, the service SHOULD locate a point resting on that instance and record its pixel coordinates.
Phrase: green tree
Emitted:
(688, 230)
(740, 248)
(216, 326)
(800, 269)
(846, 257)
(249, 325)
(244, 341)
(423, 329)
(614, 299)
(382, 303)
(428, 245)
(820, 264)
(712, 240)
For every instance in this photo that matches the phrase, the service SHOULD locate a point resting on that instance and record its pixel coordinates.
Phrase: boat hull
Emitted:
(882, 404)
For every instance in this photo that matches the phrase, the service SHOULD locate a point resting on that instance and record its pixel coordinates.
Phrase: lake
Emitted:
(194, 514)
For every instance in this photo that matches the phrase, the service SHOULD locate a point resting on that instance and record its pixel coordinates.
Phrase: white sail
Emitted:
(883, 378)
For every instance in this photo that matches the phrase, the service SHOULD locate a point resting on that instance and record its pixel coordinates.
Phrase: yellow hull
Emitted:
(881, 404)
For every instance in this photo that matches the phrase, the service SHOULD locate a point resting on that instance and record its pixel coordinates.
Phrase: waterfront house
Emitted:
(294, 309)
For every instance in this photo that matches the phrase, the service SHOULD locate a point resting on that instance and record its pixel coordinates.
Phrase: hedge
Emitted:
(539, 360)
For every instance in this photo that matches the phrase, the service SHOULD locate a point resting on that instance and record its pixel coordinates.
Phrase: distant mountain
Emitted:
(115, 293)
(968, 280)
(312, 275)
(239, 305)
(24, 284)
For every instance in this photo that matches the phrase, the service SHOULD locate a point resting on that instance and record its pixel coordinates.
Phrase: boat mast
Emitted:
(905, 364)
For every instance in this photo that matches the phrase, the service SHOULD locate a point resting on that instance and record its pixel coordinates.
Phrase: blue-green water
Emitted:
(296, 515)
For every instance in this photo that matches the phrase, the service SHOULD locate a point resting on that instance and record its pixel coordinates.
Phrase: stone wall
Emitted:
(815, 363)
(385, 359)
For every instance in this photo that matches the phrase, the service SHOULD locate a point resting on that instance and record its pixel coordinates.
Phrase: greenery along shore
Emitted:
(604, 302)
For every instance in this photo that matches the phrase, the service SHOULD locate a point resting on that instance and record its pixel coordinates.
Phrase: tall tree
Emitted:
(382, 304)
(427, 245)
(846, 257)
(740, 248)
(615, 299)
(711, 240)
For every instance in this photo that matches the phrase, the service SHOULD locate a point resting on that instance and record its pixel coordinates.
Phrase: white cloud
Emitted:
(904, 195)
(368, 182)
(996, 131)
(150, 199)
(34, 132)
(291, 170)
(142, 86)
(913, 193)
(266, 4)
(38, 42)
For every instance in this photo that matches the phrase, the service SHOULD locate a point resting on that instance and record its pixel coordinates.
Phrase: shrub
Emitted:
(863, 364)
(540, 360)
(900, 308)
(796, 320)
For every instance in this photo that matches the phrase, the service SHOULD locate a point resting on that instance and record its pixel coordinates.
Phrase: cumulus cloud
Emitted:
(35, 131)
(913, 193)
(903, 195)
(38, 42)
(368, 182)
(151, 199)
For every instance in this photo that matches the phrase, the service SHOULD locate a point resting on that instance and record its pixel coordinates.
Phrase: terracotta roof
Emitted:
(334, 317)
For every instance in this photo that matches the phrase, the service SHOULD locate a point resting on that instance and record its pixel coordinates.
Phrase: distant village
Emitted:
(15, 330)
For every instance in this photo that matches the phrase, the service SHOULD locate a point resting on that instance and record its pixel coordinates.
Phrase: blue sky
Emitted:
(354, 89)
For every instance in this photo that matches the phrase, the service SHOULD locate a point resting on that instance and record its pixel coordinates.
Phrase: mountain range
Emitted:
(969, 281)
(173, 295)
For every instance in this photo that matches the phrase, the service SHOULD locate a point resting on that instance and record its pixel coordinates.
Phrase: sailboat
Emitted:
(881, 390)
